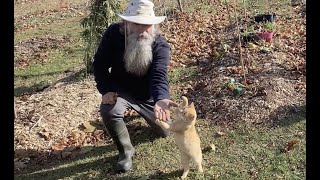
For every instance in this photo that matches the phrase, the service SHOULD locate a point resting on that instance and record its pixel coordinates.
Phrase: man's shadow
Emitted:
(102, 158)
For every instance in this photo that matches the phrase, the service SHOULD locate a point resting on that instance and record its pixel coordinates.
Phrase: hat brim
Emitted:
(143, 19)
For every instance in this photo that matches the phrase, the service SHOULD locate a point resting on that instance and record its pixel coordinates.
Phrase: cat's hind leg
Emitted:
(198, 160)
(185, 160)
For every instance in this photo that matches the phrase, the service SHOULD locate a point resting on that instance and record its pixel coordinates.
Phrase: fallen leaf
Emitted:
(219, 133)
(93, 174)
(251, 45)
(291, 144)
(213, 147)
(58, 147)
(88, 127)
(265, 49)
(45, 135)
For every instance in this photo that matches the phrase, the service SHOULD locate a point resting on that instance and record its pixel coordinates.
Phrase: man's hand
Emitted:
(109, 98)
(161, 109)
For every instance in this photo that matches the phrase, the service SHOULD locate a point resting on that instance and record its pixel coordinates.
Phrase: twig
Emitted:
(240, 48)
(246, 50)
(180, 5)
(165, 12)
(228, 11)
(36, 122)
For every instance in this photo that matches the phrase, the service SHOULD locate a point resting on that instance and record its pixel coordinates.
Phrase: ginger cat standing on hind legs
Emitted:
(185, 134)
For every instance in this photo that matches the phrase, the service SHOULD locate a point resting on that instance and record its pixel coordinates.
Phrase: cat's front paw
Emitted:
(183, 177)
(162, 124)
(158, 122)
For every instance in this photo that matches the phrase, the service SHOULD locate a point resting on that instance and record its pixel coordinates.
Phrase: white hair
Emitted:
(138, 53)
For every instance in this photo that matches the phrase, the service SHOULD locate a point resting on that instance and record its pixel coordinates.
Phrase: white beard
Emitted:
(138, 54)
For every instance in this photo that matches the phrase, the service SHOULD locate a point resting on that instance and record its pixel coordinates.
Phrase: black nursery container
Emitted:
(265, 17)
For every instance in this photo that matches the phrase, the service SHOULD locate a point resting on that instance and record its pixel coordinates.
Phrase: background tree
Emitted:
(102, 14)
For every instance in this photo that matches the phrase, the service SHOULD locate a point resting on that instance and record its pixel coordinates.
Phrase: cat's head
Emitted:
(185, 111)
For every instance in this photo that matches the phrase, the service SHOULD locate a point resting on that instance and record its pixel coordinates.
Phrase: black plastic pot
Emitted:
(265, 17)
(249, 37)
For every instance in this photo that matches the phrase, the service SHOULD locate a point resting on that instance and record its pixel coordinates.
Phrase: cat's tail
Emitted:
(185, 101)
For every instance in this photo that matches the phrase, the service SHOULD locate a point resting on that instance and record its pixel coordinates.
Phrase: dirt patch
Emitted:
(273, 73)
(60, 123)
(52, 121)
(58, 109)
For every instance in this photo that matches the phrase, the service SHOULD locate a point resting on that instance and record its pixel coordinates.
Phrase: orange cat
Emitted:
(185, 134)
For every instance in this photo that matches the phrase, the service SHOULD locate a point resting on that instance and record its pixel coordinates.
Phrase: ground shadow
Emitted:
(40, 74)
(70, 78)
(140, 130)
(48, 168)
(43, 165)
(18, 91)
(287, 115)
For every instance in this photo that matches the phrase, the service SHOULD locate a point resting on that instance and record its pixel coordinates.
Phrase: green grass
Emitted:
(37, 75)
(69, 27)
(37, 6)
(242, 153)
(179, 77)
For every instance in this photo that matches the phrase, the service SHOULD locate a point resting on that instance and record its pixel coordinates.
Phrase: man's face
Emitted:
(138, 52)
(140, 29)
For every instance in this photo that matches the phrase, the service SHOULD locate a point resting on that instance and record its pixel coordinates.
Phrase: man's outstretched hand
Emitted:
(161, 109)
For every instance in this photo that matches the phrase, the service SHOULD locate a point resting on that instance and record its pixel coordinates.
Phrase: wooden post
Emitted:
(180, 5)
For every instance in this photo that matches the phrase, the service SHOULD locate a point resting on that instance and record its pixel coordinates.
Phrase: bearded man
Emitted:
(130, 69)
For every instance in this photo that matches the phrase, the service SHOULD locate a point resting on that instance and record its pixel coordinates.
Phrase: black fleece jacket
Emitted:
(154, 85)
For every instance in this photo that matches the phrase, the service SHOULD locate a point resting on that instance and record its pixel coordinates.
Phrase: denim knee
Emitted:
(111, 112)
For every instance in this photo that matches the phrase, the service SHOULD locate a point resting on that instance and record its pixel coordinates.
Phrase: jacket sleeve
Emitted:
(159, 71)
(102, 63)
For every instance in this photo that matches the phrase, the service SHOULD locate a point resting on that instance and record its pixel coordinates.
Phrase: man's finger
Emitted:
(160, 116)
(168, 115)
(157, 114)
(164, 116)
(174, 104)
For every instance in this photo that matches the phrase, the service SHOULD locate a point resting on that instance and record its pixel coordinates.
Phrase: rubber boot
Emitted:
(120, 136)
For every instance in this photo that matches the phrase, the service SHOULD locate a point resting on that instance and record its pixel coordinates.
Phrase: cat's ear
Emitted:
(184, 101)
(191, 105)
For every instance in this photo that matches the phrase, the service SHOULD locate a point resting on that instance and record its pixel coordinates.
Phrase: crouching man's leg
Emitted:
(112, 116)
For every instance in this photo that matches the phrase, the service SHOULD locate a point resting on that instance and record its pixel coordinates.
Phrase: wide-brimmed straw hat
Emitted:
(141, 12)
